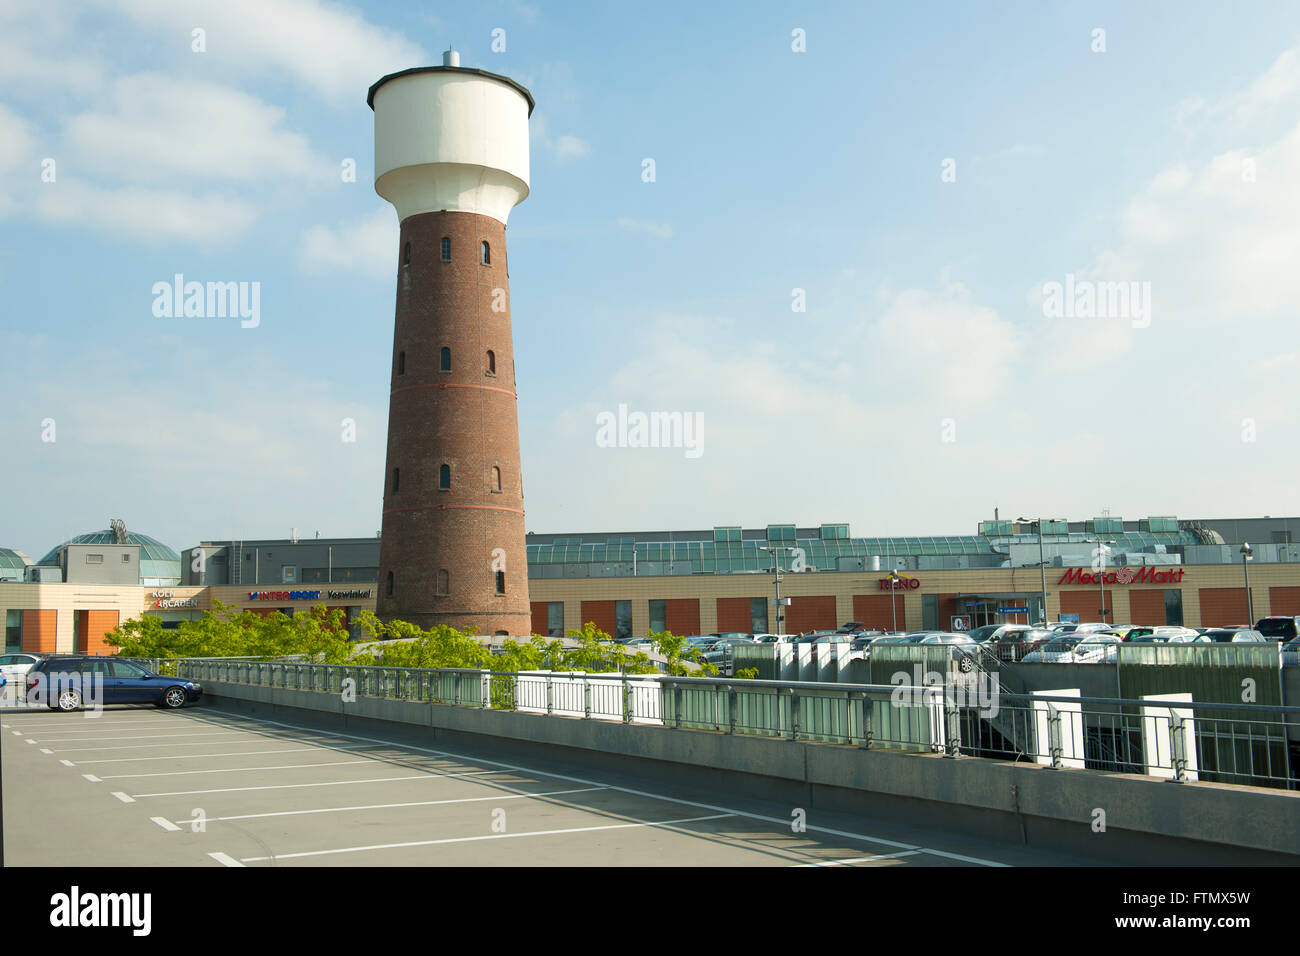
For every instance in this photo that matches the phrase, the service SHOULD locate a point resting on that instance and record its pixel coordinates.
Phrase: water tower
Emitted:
(451, 155)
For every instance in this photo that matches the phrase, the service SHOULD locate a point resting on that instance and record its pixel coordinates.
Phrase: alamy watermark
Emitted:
(1086, 299)
(213, 300)
(626, 429)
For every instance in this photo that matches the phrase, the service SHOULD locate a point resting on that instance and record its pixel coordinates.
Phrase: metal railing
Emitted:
(1180, 740)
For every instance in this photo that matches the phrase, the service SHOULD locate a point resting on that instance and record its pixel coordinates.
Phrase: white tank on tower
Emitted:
(451, 139)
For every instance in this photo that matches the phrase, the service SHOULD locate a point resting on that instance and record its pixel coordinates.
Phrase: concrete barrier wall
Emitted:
(1146, 820)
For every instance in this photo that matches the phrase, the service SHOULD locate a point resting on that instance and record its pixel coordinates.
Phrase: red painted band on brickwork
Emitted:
(488, 388)
(517, 511)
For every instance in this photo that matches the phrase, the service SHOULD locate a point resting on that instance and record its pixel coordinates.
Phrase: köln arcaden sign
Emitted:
(1146, 575)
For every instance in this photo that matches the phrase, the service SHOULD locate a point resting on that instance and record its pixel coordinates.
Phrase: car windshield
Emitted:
(1277, 627)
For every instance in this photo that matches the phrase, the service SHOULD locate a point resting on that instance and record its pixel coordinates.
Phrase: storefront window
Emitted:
(658, 616)
(623, 618)
(1174, 607)
(758, 615)
(13, 630)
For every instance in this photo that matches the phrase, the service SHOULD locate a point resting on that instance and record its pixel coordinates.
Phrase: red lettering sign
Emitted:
(1145, 575)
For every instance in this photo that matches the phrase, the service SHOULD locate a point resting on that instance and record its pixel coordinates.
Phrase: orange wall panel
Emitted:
(602, 614)
(1220, 606)
(97, 623)
(811, 613)
(1282, 600)
(1087, 604)
(39, 630)
(873, 611)
(1145, 606)
(682, 616)
(733, 615)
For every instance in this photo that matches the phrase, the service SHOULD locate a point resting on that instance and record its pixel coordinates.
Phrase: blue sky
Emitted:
(923, 386)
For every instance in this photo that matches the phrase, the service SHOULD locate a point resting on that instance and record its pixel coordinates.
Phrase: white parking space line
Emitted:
(225, 859)
(76, 740)
(182, 773)
(124, 797)
(69, 750)
(235, 753)
(67, 763)
(393, 806)
(46, 750)
(92, 778)
(165, 823)
(486, 836)
(862, 859)
(329, 783)
(17, 733)
(30, 741)
(778, 821)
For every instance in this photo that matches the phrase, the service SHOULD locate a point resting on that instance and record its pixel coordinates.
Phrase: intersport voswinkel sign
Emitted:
(1146, 575)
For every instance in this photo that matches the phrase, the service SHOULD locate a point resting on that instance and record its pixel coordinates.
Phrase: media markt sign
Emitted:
(1147, 575)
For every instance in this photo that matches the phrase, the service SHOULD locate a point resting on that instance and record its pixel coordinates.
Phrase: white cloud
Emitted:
(659, 230)
(571, 147)
(324, 46)
(161, 126)
(367, 246)
(141, 213)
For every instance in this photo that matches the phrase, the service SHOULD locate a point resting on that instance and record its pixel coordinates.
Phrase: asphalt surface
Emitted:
(138, 786)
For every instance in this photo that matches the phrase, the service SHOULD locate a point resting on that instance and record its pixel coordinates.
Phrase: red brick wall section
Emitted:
(39, 630)
(466, 418)
(873, 611)
(733, 615)
(682, 616)
(1281, 601)
(539, 617)
(812, 613)
(1146, 606)
(602, 613)
(1087, 604)
(1220, 606)
(948, 609)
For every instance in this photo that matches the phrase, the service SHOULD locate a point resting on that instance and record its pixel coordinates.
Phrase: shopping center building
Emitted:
(1157, 571)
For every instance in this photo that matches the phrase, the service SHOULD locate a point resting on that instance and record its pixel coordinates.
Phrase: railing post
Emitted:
(952, 719)
(1054, 747)
(485, 690)
(548, 695)
(586, 696)
(677, 706)
(794, 714)
(867, 729)
(627, 701)
(456, 690)
(732, 697)
(1178, 746)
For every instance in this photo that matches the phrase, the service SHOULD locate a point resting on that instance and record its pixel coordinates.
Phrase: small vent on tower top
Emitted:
(451, 58)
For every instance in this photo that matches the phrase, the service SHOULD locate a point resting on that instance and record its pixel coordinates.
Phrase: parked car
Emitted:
(1181, 635)
(1055, 651)
(68, 683)
(1014, 645)
(965, 652)
(1148, 639)
(1291, 653)
(719, 650)
(1127, 632)
(1224, 635)
(1095, 649)
(983, 632)
(1277, 628)
(14, 668)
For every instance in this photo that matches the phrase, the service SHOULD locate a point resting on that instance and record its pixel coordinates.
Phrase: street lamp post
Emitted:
(1101, 572)
(1042, 563)
(1246, 552)
(893, 605)
(776, 570)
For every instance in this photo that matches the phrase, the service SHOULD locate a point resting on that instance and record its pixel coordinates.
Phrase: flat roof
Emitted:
(519, 88)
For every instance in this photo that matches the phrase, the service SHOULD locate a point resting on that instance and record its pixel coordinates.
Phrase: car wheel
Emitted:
(69, 699)
(173, 697)
(965, 665)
